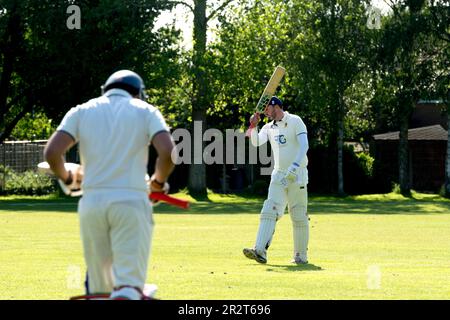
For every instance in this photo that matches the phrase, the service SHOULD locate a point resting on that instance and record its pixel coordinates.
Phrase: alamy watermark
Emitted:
(374, 18)
(211, 147)
(73, 22)
(74, 277)
(373, 277)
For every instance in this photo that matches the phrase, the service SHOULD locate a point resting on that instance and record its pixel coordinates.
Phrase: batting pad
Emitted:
(265, 233)
(268, 220)
(300, 231)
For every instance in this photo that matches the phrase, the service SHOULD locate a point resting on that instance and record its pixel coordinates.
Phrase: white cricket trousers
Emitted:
(293, 197)
(116, 235)
(296, 198)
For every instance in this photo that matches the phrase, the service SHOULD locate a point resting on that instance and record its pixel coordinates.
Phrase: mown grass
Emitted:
(361, 247)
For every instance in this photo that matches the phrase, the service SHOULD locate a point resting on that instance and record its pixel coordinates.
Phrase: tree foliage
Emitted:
(345, 79)
(33, 126)
(68, 66)
(410, 63)
(324, 47)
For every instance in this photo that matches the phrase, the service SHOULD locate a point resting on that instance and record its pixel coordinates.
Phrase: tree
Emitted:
(33, 126)
(11, 47)
(439, 27)
(325, 55)
(200, 99)
(334, 41)
(47, 66)
(407, 57)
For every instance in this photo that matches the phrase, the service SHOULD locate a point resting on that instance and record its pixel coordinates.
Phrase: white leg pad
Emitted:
(267, 223)
(300, 226)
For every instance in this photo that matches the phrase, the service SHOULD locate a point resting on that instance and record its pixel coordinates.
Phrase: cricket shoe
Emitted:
(253, 254)
(298, 260)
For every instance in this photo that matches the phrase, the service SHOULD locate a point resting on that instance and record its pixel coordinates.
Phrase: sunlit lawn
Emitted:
(366, 247)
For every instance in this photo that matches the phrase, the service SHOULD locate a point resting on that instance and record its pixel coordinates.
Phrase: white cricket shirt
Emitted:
(283, 139)
(114, 132)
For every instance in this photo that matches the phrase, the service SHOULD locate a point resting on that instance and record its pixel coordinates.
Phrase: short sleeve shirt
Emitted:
(114, 132)
(283, 139)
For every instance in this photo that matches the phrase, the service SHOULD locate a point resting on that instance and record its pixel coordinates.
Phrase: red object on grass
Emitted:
(160, 196)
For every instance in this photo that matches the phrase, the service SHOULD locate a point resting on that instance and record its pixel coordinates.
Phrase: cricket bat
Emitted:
(270, 89)
(160, 196)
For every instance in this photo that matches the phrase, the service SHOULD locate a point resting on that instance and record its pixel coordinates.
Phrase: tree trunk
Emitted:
(403, 156)
(447, 160)
(197, 169)
(12, 124)
(340, 146)
(224, 178)
(197, 172)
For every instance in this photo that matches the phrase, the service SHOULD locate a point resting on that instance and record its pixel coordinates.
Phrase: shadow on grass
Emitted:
(251, 206)
(200, 197)
(294, 267)
(60, 204)
(212, 208)
(408, 207)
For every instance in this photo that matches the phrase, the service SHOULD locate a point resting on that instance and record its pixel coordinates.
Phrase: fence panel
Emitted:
(21, 156)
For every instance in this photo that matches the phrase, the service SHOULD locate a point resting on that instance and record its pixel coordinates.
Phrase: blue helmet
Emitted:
(275, 101)
(126, 80)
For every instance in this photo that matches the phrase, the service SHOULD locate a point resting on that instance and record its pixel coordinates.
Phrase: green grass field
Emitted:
(366, 247)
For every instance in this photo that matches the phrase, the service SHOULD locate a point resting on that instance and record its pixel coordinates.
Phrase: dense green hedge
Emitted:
(25, 183)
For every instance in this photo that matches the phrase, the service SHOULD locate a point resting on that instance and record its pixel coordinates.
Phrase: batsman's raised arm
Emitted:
(257, 138)
(254, 120)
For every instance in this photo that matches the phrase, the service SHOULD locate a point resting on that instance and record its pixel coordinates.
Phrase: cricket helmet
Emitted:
(275, 101)
(126, 80)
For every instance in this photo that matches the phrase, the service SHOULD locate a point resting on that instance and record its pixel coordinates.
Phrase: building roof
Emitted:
(433, 133)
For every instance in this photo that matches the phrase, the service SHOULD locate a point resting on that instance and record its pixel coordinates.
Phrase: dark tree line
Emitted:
(345, 78)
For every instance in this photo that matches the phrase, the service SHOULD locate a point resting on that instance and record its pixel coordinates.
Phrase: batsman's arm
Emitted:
(164, 166)
(54, 152)
(257, 138)
(302, 139)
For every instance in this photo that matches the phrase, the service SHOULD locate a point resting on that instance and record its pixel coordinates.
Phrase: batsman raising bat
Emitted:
(288, 138)
(116, 224)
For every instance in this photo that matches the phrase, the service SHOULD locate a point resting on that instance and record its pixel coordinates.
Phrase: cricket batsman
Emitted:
(114, 132)
(288, 138)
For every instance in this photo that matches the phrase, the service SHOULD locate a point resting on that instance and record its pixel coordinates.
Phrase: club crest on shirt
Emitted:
(281, 139)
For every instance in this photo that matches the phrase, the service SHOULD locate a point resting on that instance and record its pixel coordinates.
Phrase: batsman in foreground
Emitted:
(288, 186)
(114, 132)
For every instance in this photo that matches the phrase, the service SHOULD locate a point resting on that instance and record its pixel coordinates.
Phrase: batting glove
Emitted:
(156, 186)
(291, 174)
(72, 185)
(254, 119)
